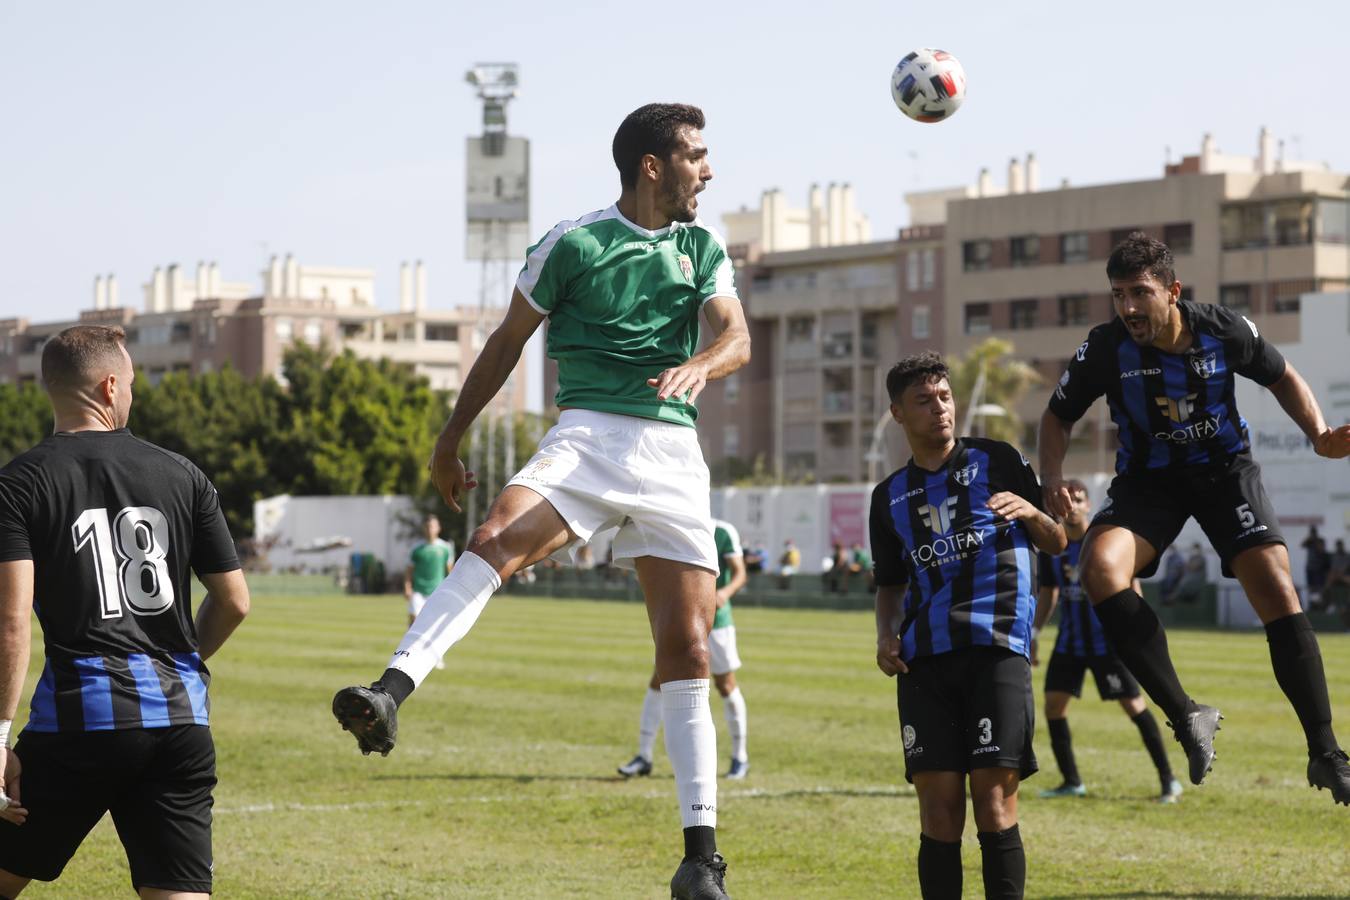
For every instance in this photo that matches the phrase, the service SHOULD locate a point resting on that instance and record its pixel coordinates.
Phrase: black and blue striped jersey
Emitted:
(970, 573)
(1170, 409)
(1080, 631)
(113, 524)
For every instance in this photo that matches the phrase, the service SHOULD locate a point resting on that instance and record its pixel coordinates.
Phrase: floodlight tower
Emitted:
(497, 201)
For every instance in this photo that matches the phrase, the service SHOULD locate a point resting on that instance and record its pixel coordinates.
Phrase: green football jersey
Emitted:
(428, 565)
(622, 305)
(728, 542)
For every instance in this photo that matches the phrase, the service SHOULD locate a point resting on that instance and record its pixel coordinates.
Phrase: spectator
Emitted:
(756, 559)
(1193, 580)
(1316, 564)
(1338, 572)
(859, 563)
(1174, 568)
(788, 564)
(835, 570)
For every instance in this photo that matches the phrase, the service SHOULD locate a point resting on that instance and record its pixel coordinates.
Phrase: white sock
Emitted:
(448, 615)
(734, 708)
(649, 724)
(691, 744)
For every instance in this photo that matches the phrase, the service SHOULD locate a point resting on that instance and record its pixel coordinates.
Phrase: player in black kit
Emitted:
(1167, 366)
(98, 530)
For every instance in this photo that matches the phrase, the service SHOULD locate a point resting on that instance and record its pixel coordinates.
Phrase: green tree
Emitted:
(25, 418)
(1005, 382)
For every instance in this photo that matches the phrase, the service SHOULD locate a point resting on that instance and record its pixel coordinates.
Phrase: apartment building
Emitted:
(203, 324)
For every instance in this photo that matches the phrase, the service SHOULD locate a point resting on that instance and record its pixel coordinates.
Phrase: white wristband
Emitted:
(5, 725)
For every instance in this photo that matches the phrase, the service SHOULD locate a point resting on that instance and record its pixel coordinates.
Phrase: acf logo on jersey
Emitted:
(964, 476)
(1179, 409)
(1205, 365)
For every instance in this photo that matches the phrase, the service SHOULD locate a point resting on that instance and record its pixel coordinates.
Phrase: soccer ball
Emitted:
(928, 85)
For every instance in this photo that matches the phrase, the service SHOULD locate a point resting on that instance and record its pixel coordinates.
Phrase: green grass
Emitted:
(502, 785)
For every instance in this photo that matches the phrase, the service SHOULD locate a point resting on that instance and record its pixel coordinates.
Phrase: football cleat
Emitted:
(638, 765)
(370, 714)
(700, 878)
(1064, 790)
(739, 769)
(1171, 793)
(1331, 771)
(1196, 736)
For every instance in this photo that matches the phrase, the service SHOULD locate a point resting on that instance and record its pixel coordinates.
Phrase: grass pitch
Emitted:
(503, 784)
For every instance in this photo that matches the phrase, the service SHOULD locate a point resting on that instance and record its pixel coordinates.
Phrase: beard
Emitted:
(677, 200)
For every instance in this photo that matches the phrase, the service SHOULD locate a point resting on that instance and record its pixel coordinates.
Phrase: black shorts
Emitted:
(967, 709)
(156, 782)
(1227, 499)
(1114, 681)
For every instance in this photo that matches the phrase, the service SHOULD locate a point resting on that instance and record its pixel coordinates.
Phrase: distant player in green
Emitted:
(428, 564)
(723, 663)
(624, 289)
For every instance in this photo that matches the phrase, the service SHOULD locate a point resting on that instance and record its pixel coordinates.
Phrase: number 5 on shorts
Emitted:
(1245, 517)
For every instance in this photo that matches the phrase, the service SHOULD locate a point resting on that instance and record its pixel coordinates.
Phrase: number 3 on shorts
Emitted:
(1244, 514)
(986, 730)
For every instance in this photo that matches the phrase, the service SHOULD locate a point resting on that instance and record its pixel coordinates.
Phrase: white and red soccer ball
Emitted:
(928, 85)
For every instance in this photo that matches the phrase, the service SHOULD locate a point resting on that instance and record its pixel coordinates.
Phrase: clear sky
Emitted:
(136, 134)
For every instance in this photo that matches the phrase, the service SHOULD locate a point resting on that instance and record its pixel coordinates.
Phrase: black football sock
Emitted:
(939, 869)
(396, 684)
(1005, 864)
(1062, 744)
(1139, 640)
(1153, 743)
(700, 840)
(1297, 661)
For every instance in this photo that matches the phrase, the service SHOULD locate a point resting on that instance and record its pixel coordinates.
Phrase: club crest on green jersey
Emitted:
(686, 267)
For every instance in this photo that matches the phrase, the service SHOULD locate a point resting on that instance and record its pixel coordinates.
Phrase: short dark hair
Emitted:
(1138, 254)
(919, 368)
(653, 129)
(1076, 486)
(81, 352)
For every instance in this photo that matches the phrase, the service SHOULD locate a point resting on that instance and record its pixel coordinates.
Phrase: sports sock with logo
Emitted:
(939, 869)
(1153, 743)
(691, 744)
(1297, 660)
(649, 724)
(1005, 863)
(1062, 744)
(448, 615)
(1139, 640)
(734, 709)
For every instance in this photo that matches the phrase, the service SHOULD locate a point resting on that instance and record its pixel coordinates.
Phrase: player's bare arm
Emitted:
(1297, 399)
(16, 609)
(889, 603)
(1054, 444)
(1046, 533)
(729, 351)
(489, 372)
(224, 607)
(738, 579)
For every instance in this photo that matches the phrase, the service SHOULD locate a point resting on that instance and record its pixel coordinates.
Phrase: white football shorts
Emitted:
(722, 655)
(601, 470)
(415, 604)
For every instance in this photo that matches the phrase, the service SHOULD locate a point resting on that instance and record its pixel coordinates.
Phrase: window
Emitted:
(838, 336)
(1120, 234)
(1293, 221)
(838, 395)
(1242, 225)
(978, 319)
(1024, 314)
(799, 436)
(1333, 221)
(801, 329)
(1287, 304)
(284, 330)
(868, 342)
(1187, 292)
(918, 323)
(929, 277)
(913, 269)
(1237, 297)
(181, 333)
(1074, 310)
(976, 255)
(1026, 250)
(731, 388)
(1180, 237)
(313, 332)
(206, 335)
(439, 332)
(1073, 247)
(731, 440)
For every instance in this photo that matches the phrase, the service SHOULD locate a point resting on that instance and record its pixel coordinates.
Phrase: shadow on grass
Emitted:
(1173, 895)
(738, 790)
(513, 779)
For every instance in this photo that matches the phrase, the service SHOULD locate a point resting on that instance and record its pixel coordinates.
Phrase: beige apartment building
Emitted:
(205, 324)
